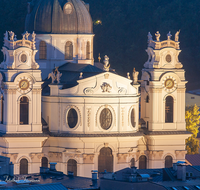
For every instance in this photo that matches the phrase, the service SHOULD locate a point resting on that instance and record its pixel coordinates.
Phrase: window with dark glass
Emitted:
(68, 51)
(105, 160)
(168, 58)
(105, 118)
(23, 166)
(24, 110)
(72, 166)
(169, 109)
(23, 58)
(168, 162)
(88, 50)
(133, 117)
(42, 50)
(44, 162)
(147, 99)
(142, 162)
(72, 118)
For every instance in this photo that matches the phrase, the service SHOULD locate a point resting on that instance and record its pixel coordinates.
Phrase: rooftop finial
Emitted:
(99, 58)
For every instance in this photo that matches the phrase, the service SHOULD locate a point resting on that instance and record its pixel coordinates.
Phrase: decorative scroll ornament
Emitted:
(55, 75)
(106, 87)
(106, 63)
(121, 90)
(88, 90)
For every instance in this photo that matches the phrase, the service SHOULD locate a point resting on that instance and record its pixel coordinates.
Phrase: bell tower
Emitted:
(163, 102)
(163, 85)
(20, 86)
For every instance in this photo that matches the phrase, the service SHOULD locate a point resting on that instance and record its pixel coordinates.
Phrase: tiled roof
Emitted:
(194, 159)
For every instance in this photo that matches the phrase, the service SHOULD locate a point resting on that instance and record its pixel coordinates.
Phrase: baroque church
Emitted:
(58, 105)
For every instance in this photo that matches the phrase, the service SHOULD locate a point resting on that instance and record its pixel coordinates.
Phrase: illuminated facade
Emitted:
(90, 115)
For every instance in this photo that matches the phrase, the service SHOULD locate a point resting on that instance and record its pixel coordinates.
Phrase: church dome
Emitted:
(58, 17)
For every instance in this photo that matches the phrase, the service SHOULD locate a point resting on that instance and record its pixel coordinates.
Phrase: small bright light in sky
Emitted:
(97, 22)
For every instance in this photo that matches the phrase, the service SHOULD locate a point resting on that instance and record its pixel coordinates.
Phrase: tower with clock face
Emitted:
(163, 100)
(20, 86)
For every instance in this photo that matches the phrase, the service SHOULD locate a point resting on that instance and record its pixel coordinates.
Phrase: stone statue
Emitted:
(128, 75)
(52, 76)
(6, 35)
(58, 75)
(135, 76)
(106, 63)
(81, 75)
(12, 35)
(106, 87)
(169, 36)
(15, 38)
(33, 36)
(99, 58)
(26, 35)
(177, 36)
(157, 34)
(149, 37)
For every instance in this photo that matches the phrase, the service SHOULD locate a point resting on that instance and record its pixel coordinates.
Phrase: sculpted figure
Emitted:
(106, 63)
(135, 76)
(6, 35)
(26, 35)
(177, 36)
(169, 36)
(58, 75)
(33, 36)
(52, 76)
(106, 87)
(12, 35)
(157, 34)
(149, 37)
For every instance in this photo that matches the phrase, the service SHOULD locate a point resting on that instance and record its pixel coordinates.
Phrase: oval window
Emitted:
(133, 118)
(168, 58)
(23, 58)
(105, 118)
(68, 9)
(72, 118)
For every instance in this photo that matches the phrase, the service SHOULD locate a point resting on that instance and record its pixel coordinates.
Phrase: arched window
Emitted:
(88, 50)
(105, 160)
(147, 99)
(168, 162)
(143, 162)
(2, 102)
(132, 162)
(68, 51)
(72, 166)
(23, 166)
(43, 50)
(169, 102)
(133, 117)
(44, 162)
(24, 110)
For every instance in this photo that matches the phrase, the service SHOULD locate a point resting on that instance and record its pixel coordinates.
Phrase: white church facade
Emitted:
(58, 105)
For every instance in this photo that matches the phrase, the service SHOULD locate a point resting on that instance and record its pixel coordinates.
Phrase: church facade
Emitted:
(58, 105)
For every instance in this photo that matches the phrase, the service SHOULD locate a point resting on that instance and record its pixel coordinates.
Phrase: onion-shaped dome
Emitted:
(58, 17)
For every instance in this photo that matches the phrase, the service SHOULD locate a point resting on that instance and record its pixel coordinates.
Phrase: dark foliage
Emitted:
(125, 24)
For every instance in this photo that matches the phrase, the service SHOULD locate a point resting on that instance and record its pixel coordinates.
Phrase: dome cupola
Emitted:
(58, 17)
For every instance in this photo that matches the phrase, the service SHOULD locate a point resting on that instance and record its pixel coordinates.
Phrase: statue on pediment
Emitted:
(12, 35)
(135, 76)
(169, 36)
(177, 36)
(157, 34)
(106, 63)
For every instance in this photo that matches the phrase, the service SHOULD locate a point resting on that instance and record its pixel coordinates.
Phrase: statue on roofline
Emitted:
(177, 36)
(157, 34)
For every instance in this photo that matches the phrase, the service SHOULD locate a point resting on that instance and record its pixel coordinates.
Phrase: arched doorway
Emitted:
(72, 166)
(168, 162)
(105, 160)
(44, 162)
(23, 166)
(143, 162)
